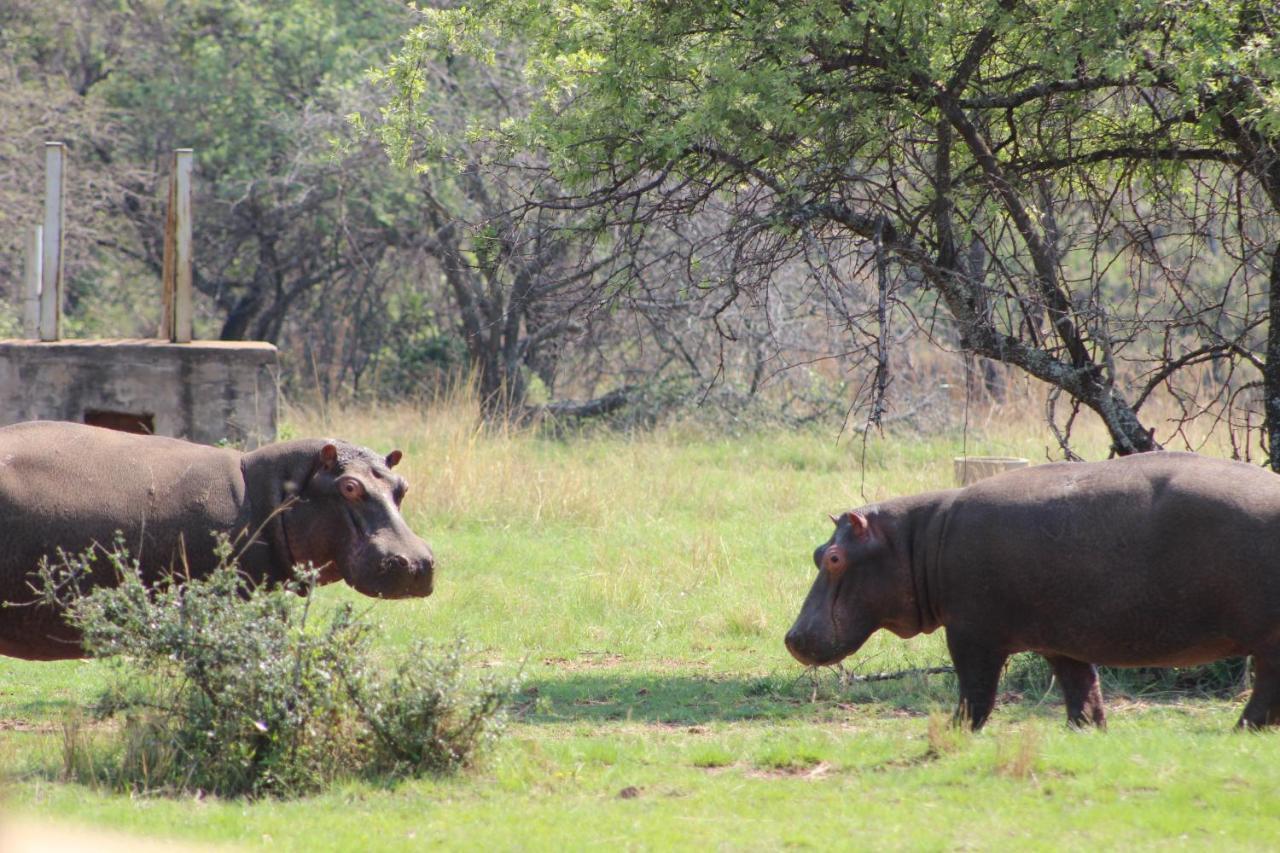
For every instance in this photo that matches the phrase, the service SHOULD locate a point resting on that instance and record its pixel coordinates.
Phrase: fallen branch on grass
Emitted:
(594, 408)
(854, 678)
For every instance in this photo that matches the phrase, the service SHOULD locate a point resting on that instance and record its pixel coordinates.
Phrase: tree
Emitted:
(1223, 73)
(259, 89)
(517, 274)
(305, 234)
(49, 59)
(1019, 163)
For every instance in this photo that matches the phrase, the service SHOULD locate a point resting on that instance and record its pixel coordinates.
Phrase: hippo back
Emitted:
(1116, 562)
(73, 486)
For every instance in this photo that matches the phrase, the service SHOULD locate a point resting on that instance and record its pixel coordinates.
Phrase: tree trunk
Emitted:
(502, 388)
(236, 326)
(1271, 371)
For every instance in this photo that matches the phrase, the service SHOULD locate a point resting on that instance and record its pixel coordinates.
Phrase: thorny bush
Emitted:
(236, 689)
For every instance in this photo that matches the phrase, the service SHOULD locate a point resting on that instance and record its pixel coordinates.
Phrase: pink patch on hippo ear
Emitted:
(393, 457)
(858, 524)
(328, 456)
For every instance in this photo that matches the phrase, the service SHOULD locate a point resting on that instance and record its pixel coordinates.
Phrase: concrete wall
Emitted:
(204, 391)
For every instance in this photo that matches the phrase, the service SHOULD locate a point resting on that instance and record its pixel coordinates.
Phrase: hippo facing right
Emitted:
(320, 501)
(1158, 559)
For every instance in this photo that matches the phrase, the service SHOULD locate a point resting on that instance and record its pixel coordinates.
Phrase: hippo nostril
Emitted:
(794, 645)
(396, 563)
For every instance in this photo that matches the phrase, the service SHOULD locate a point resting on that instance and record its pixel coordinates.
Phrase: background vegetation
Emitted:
(377, 279)
(788, 207)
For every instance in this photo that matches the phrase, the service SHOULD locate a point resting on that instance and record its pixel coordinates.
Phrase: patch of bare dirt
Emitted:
(807, 771)
(586, 660)
(14, 725)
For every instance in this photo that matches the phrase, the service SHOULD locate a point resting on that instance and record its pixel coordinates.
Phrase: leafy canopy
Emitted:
(802, 91)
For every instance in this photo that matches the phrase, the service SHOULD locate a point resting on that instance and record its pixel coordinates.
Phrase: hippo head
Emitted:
(863, 584)
(344, 518)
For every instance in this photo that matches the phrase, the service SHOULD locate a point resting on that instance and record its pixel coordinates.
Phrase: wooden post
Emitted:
(167, 278)
(31, 287)
(51, 250)
(176, 321)
(182, 307)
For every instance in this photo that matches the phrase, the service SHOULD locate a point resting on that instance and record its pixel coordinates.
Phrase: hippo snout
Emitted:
(401, 565)
(799, 646)
(819, 644)
(408, 577)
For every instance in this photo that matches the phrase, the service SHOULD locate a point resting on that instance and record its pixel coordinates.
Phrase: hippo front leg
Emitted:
(978, 665)
(1263, 707)
(1080, 689)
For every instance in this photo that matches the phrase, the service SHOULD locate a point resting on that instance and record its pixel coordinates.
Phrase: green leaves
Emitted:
(235, 689)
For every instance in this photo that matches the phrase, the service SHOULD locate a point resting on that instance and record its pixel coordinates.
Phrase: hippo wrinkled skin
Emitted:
(1158, 559)
(318, 501)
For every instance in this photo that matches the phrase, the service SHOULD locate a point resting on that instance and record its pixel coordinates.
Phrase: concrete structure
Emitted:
(205, 391)
(971, 469)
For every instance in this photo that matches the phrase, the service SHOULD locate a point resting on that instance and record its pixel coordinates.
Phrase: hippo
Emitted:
(1156, 559)
(319, 501)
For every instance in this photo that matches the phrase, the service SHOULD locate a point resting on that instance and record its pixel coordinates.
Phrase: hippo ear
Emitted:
(328, 457)
(393, 457)
(835, 519)
(858, 524)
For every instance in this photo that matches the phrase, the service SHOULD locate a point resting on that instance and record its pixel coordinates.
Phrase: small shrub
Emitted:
(234, 689)
(944, 735)
(417, 720)
(1221, 678)
(710, 756)
(1018, 760)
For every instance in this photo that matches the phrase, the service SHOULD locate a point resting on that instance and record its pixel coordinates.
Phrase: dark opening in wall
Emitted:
(122, 421)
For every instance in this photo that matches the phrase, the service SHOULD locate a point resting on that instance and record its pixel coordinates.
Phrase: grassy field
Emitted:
(644, 585)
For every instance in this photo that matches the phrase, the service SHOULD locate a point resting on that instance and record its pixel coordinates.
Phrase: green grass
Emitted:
(644, 585)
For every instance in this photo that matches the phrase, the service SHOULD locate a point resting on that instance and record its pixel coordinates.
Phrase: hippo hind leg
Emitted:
(1263, 707)
(1080, 689)
(978, 667)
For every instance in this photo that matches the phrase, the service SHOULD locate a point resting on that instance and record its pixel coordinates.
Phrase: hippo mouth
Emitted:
(394, 576)
(813, 646)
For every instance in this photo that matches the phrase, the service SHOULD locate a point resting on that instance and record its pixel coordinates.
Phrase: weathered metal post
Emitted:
(176, 323)
(31, 283)
(51, 261)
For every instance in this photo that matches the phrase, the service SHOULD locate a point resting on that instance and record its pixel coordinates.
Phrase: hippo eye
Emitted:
(351, 489)
(833, 562)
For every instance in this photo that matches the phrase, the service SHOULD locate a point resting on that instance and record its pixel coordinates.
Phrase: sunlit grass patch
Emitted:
(711, 756)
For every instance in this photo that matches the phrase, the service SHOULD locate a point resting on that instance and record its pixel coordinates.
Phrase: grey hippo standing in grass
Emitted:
(1158, 559)
(319, 501)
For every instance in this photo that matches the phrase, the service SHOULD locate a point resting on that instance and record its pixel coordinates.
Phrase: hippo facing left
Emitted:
(318, 501)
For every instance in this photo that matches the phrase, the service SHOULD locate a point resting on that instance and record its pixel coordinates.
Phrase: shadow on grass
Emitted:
(686, 699)
(693, 699)
(36, 709)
